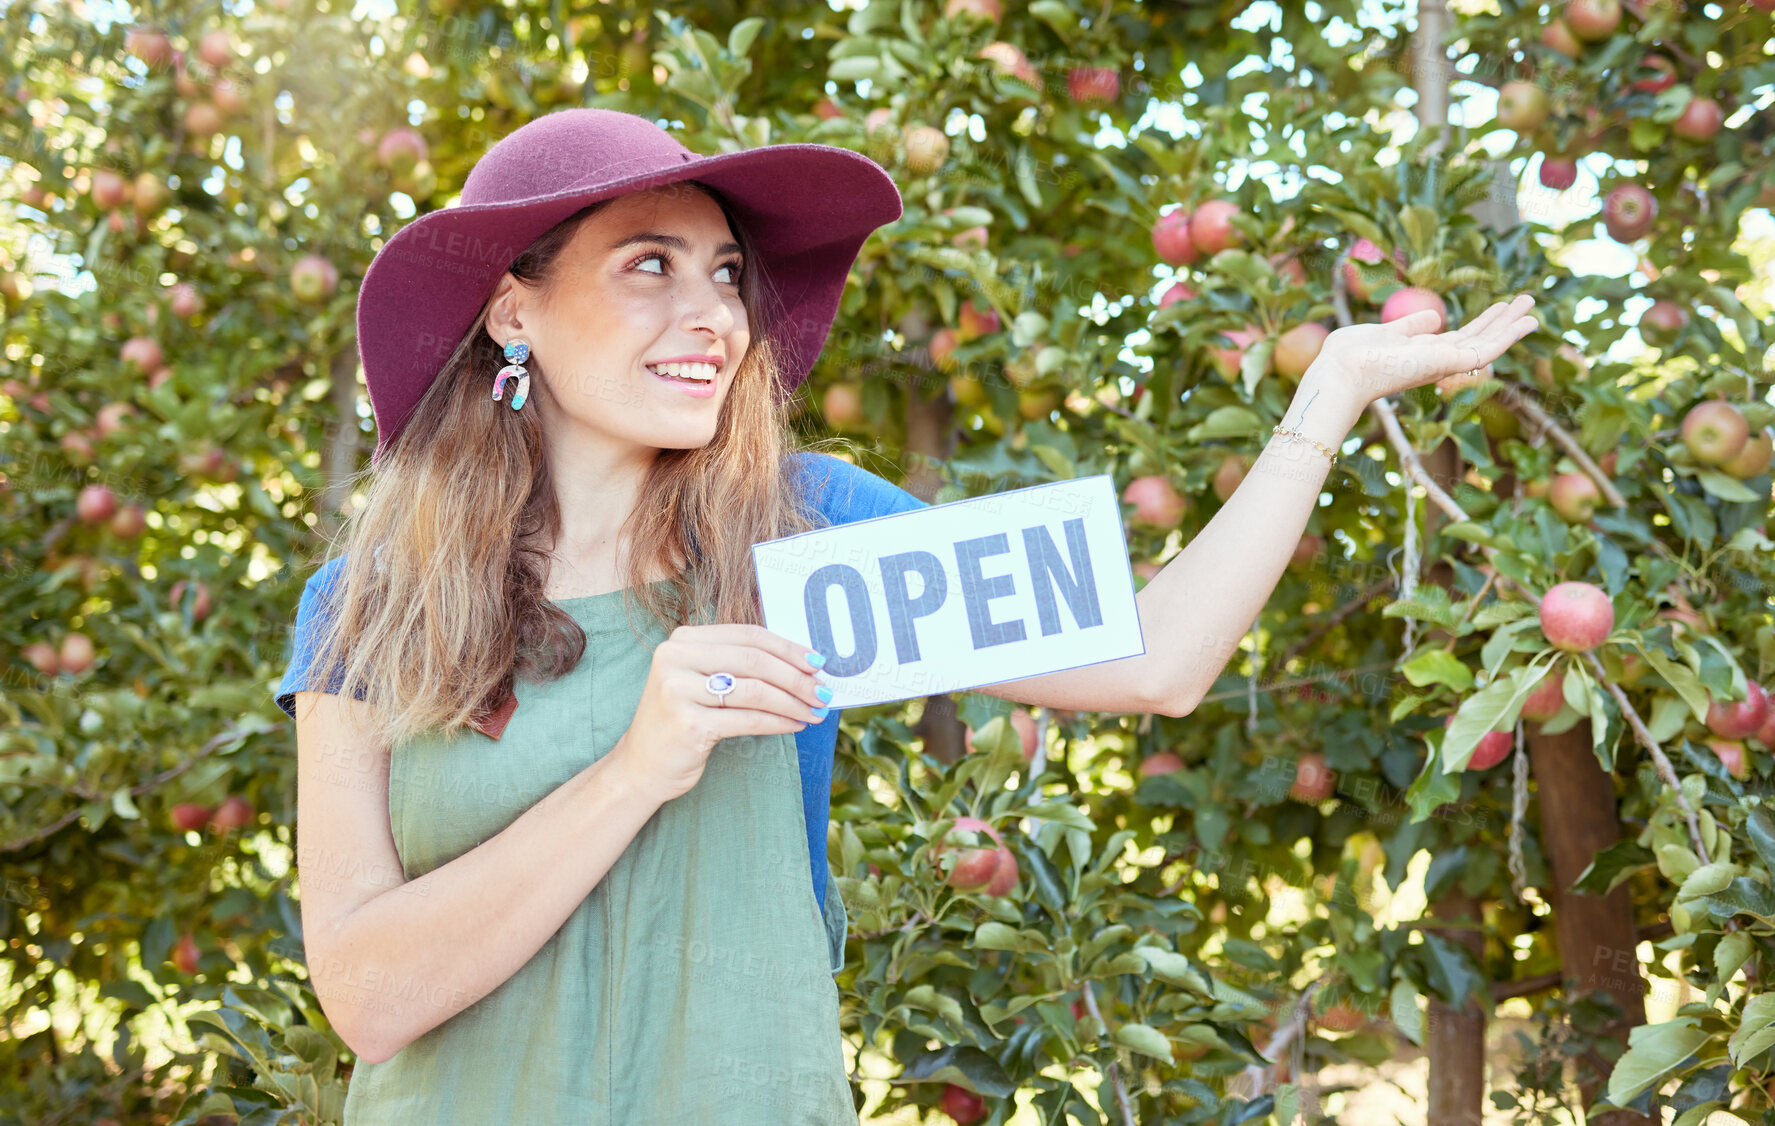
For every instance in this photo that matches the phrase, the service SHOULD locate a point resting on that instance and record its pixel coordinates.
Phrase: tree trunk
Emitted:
(343, 437)
(1455, 1037)
(1598, 944)
(930, 436)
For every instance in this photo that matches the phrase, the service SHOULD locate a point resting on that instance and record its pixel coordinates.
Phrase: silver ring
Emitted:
(719, 685)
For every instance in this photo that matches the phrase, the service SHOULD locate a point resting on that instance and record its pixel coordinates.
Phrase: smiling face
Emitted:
(651, 277)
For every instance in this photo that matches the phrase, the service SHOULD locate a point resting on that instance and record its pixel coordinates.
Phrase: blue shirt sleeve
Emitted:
(838, 492)
(311, 615)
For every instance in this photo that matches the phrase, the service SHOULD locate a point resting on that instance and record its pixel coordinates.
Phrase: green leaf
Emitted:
(1438, 666)
(1730, 955)
(1225, 422)
(1613, 866)
(1725, 487)
(1145, 1039)
(739, 39)
(1492, 708)
(1682, 679)
(998, 936)
(1407, 1017)
(965, 1066)
(1756, 1029)
(1760, 827)
(1654, 1052)
(1172, 967)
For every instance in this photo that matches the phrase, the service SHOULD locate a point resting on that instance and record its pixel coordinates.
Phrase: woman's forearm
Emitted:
(1202, 603)
(421, 952)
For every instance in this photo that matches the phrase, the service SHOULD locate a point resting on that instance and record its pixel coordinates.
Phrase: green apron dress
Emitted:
(693, 985)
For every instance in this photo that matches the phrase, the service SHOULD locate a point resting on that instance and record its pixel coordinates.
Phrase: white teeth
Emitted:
(696, 371)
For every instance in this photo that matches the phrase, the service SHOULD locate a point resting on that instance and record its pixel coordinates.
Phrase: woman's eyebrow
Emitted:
(672, 241)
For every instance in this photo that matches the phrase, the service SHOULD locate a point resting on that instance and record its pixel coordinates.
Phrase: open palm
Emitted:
(1376, 360)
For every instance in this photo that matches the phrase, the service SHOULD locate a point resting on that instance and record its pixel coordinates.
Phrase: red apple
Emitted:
(1290, 267)
(1754, 459)
(1522, 106)
(1766, 733)
(1211, 227)
(1558, 174)
(216, 48)
(1576, 616)
(1024, 725)
(235, 812)
(1156, 503)
(186, 301)
(129, 522)
(150, 44)
(1093, 85)
(401, 150)
(926, 148)
(1660, 324)
(76, 654)
(1558, 36)
(826, 109)
(1494, 747)
(203, 119)
(879, 118)
(1228, 476)
(976, 321)
(1593, 20)
(1227, 361)
(313, 279)
(1363, 251)
(109, 190)
(1628, 212)
(1297, 348)
(1009, 60)
(1715, 432)
(988, 10)
(225, 94)
(961, 1104)
(1739, 719)
(1162, 763)
(188, 817)
(95, 504)
(1700, 120)
(942, 348)
(1313, 780)
(1663, 75)
(150, 194)
(1004, 876)
(1411, 299)
(1309, 548)
(185, 954)
(1340, 1018)
(77, 445)
(42, 657)
(970, 238)
(1178, 291)
(1574, 496)
(200, 601)
(1171, 238)
(1734, 755)
(842, 405)
(112, 418)
(1547, 699)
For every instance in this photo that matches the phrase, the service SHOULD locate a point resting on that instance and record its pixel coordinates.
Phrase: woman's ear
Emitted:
(506, 308)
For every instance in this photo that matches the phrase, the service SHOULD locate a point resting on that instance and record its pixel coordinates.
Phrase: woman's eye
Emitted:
(734, 270)
(661, 258)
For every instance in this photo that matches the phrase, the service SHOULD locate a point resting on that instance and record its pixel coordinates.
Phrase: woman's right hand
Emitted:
(679, 720)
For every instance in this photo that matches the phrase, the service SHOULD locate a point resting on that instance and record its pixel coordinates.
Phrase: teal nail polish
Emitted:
(816, 660)
(821, 713)
(824, 693)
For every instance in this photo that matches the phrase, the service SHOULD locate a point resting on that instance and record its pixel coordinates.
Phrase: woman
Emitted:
(533, 887)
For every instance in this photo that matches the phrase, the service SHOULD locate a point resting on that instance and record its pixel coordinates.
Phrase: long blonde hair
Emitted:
(438, 607)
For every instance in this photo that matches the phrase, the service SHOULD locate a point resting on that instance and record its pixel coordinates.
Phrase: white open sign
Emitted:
(974, 592)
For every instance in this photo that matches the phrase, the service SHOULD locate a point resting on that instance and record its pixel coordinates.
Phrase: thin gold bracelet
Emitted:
(1314, 442)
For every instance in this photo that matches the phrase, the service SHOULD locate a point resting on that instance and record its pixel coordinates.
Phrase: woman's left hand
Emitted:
(1371, 361)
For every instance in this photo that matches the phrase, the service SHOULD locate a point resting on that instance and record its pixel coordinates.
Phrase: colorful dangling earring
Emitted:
(516, 352)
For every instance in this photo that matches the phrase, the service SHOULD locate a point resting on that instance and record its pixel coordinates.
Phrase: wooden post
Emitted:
(1455, 1037)
(343, 439)
(1598, 943)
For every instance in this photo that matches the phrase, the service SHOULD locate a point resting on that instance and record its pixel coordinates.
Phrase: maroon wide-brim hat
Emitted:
(807, 209)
